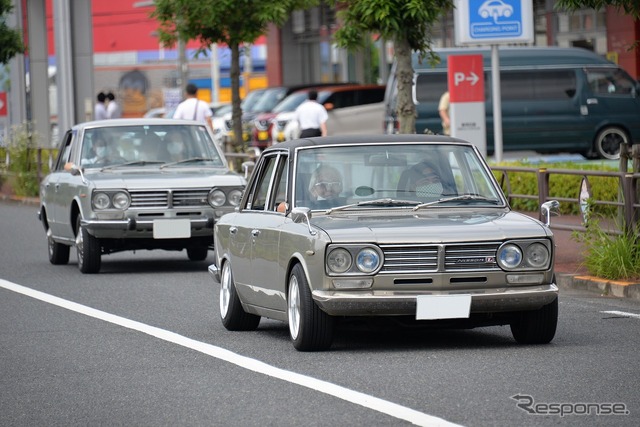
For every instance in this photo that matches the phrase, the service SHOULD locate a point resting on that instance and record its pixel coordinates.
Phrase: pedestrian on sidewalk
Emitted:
(193, 108)
(312, 117)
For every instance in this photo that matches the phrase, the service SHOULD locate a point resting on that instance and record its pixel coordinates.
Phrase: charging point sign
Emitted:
(466, 95)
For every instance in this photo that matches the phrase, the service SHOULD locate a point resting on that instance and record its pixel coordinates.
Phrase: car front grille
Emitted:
(426, 258)
(169, 198)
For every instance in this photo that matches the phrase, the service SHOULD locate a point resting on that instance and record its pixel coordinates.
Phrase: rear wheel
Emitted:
(311, 329)
(233, 316)
(536, 326)
(88, 249)
(608, 141)
(58, 253)
(197, 253)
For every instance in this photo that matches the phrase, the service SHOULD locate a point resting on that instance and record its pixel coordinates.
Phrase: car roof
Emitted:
(365, 139)
(134, 122)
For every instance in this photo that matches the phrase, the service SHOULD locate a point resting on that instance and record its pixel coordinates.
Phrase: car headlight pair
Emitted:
(102, 200)
(218, 198)
(353, 259)
(524, 255)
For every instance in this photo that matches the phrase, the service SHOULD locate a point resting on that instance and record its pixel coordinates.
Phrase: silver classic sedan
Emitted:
(131, 184)
(396, 225)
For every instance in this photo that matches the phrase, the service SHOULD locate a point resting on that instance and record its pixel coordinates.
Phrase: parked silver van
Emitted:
(553, 100)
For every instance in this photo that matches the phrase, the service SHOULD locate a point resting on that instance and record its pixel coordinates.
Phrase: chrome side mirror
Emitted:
(552, 207)
(299, 215)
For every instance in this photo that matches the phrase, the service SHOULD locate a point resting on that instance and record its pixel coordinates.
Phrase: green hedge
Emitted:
(561, 186)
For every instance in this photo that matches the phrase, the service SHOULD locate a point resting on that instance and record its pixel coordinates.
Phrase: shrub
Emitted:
(23, 164)
(611, 256)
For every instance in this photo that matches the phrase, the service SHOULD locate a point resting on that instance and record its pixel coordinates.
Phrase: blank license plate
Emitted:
(431, 307)
(171, 228)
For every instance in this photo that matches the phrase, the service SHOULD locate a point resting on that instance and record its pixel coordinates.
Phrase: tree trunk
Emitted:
(238, 143)
(405, 108)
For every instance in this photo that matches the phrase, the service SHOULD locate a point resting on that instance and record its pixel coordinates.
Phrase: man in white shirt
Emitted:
(312, 117)
(113, 109)
(100, 109)
(192, 108)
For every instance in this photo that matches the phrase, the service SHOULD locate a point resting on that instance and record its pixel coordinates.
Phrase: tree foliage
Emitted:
(630, 7)
(10, 39)
(408, 24)
(230, 22)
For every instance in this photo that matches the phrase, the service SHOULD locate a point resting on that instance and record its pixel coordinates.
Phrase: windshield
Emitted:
(412, 176)
(252, 98)
(291, 102)
(145, 145)
(269, 100)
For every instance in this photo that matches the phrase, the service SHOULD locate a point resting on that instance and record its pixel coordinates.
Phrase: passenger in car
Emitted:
(422, 180)
(174, 149)
(325, 188)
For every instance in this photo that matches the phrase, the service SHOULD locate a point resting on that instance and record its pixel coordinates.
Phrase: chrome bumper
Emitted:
(130, 224)
(364, 303)
(214, 272)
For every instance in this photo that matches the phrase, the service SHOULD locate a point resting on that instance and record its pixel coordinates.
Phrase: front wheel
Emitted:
(58, 253)
(197, 253)
(233, 316)
(88, 249)
(311, 329)
(608, 142)
(536, 326)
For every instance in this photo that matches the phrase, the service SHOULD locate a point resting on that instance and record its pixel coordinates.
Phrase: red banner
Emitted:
(3, 104)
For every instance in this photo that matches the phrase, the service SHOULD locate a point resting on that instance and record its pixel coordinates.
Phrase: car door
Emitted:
(267, 273)
(247, 229)
(53, 199)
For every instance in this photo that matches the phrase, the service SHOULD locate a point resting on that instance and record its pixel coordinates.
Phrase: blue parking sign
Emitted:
(485, 21)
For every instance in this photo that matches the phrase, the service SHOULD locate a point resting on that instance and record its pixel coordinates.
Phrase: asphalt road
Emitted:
(141, 344)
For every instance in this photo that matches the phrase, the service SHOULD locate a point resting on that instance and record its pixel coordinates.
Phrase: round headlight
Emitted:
(537, 255)
(234, 197)
(121, 200)
(367, 260)
(101, 200)
(217, 198)
(509, 256)
(339, 260)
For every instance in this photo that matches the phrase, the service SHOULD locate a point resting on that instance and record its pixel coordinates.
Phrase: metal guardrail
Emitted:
(628, 203)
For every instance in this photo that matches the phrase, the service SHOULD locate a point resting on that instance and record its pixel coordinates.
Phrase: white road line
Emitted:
(622, 313)
(367, 401)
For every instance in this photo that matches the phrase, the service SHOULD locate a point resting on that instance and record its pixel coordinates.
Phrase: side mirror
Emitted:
(300, 215)
(549, 208)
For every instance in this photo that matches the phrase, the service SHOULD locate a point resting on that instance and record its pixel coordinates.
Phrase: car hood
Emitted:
(433, 227)
(166, 178)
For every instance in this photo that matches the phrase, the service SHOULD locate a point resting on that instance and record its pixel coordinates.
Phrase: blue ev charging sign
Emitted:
(493, 21)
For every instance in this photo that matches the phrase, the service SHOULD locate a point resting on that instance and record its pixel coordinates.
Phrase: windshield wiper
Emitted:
(134, 163)
(376, 202)
(467, 198)
(191, 160)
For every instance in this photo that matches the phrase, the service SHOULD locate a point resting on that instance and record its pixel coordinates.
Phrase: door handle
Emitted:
(592, 101)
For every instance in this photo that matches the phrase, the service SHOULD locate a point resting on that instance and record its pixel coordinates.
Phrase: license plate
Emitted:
(431, 307)
(171, 228)
(263, 136)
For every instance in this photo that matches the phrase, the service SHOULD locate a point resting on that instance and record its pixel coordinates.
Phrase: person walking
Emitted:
(312, 117)
(192, 108)
(100, 109)
(113, 109)
(443, 109)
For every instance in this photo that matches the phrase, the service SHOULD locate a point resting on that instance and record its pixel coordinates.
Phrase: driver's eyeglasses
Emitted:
(328, 186)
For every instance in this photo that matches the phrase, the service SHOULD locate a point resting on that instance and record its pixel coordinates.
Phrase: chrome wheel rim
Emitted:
(225, 290)
(294, 307)
(50, 242)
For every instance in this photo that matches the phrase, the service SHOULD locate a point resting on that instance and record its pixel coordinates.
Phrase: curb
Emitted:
(597, 285)
(35, 201)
